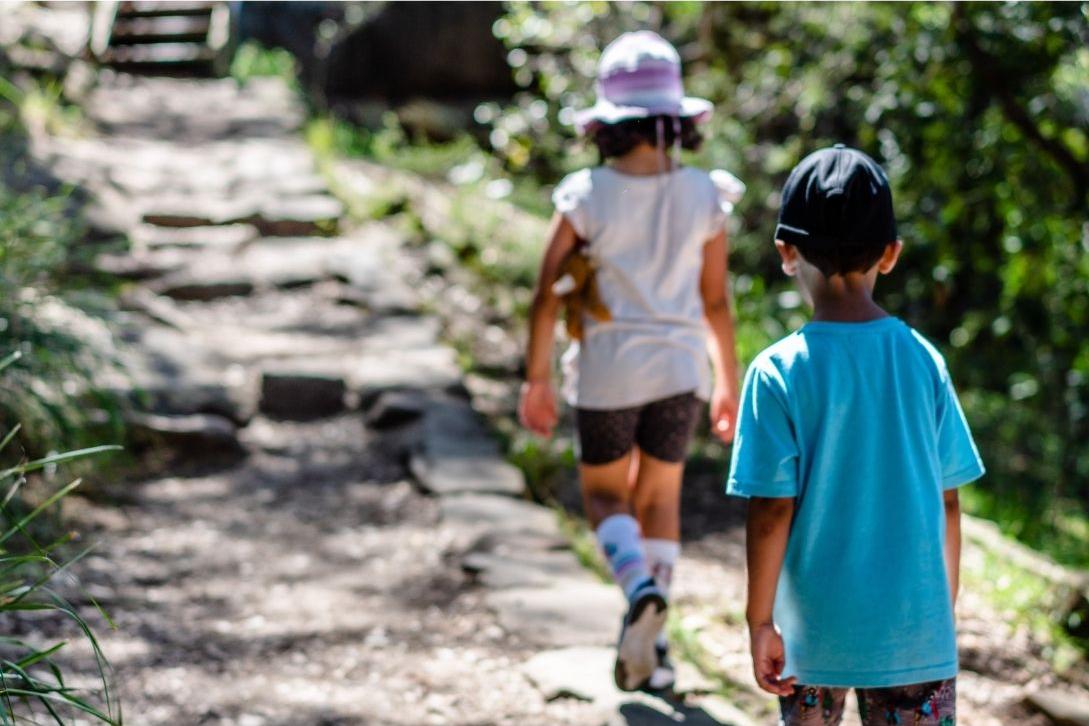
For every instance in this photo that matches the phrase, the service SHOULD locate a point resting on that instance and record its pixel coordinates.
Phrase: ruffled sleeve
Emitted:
(572, 199)
(728, 191)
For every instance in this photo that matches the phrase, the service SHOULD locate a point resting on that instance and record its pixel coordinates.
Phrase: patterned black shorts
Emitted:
(661, 428)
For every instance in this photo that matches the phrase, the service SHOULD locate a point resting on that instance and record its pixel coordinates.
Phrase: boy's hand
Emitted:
(537, 407)
(769, 659)
(724, 413)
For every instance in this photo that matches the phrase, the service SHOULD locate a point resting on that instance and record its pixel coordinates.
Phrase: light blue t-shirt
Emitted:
(859, 423)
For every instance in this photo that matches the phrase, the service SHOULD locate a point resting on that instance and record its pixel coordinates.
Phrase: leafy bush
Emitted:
(253, 60)
(48, 311)
(979, 113)
(31, 684)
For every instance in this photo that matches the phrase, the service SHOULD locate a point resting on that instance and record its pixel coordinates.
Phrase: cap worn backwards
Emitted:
(837, 197)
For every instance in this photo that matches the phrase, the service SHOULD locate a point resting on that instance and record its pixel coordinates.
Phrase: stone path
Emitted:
(328, 532)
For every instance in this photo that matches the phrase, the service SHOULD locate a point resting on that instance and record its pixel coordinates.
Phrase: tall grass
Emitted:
(32, 685)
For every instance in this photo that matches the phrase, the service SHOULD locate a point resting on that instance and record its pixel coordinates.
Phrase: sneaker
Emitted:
(636, 655)
(664, 676)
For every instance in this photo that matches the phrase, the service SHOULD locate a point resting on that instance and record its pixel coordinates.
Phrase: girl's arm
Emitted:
(766, 533)
(714, 284)
(537, 408)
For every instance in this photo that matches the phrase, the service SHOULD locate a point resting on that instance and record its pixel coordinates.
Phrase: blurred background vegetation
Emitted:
(980, 114)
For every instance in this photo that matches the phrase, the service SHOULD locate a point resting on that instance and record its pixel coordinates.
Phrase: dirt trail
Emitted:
(336, 538)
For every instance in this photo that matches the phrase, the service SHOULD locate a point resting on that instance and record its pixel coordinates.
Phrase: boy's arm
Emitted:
(767, 530)
(952, 541)
(714, 284)
(538, 408)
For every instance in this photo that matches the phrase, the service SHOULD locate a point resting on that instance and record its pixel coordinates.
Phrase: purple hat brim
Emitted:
(606, 112)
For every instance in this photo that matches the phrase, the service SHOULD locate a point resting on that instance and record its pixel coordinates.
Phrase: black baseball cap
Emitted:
(836, 198)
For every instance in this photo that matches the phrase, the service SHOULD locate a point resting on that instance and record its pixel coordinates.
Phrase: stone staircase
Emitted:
(166, 37)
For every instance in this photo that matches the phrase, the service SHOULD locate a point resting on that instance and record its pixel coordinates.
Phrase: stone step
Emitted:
(158, 54)
(153, 8)
(200, 434)
(159, 29)
(302, 395)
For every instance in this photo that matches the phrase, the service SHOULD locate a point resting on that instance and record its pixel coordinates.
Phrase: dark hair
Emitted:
(842, 259)
(620, 138)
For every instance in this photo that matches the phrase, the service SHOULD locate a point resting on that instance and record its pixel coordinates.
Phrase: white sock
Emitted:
(661, 557)
(619, 538)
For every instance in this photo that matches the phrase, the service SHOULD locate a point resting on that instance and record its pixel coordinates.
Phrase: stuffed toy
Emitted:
(577, 288)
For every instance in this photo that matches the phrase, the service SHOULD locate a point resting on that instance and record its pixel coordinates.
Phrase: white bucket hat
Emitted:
(638, 76)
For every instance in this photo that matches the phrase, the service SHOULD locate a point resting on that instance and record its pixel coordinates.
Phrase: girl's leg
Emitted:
(605, 489)
(664, 431)
(607, 439)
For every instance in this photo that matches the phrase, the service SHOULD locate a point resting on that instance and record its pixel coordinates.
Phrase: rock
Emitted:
(498, 514)
(395, 408)
(1064, 709)
(584, 673)
(138, 266)
(196, 433)
(226, 237)
(561, 614)
(475, 473)
(522, 568)
(461, 455)
(204, 290)
(300, 216)
(156, 307)
(302, 395)
(188, 211)
(434, 366)
(181, 397)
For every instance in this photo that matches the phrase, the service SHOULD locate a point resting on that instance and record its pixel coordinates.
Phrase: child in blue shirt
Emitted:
(851, 445)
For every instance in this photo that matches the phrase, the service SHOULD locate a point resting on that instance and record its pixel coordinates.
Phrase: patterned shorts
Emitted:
(922, 704)
(661, 428)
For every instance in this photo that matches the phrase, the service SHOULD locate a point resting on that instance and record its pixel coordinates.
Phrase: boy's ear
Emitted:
(890, 257)
(789, 255)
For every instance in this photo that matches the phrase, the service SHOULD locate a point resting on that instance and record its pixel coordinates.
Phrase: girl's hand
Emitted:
(724, 412)
(537, 407)
(769, 659)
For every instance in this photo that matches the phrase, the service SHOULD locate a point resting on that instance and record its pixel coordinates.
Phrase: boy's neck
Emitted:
(845, 299)
(643, 160)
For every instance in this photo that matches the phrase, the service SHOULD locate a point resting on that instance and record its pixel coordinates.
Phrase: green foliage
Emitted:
(32, 686)
(253, 60)
(978, 112)
(48, 311)
(1023, 599)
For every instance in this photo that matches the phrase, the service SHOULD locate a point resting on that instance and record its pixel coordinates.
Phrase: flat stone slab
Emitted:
(433, 366)
(584, 673)
(185, 287)
(395, 408)
(297, 216)
(224, 237)
(472, 473)
(190, 211)
(302, 396)
(1064, 709)
(563, 614)
(138, 266)
(500, 515)
(195, 433)
(523, 568)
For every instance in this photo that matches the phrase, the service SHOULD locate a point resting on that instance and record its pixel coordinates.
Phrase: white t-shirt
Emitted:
(647, 235)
